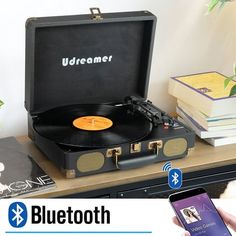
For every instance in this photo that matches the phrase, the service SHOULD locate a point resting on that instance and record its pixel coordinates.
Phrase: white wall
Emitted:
(187, 41)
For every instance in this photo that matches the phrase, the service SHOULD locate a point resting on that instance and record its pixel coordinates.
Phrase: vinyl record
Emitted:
(118, 125)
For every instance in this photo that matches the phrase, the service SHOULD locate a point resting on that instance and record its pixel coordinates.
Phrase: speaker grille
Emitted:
(175, 147)
(90, 162)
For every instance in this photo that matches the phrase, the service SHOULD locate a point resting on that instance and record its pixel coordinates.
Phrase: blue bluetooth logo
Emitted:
(175, 176)
(17, 214)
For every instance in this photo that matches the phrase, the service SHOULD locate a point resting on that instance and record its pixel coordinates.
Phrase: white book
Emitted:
(216, 142)
(201, 132)
(205, 91)
(209, 126)
(204, 120)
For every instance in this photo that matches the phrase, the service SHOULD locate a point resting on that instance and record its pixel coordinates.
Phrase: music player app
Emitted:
(200, 216)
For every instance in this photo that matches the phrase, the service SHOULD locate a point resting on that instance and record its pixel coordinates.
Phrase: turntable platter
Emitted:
(92, 126)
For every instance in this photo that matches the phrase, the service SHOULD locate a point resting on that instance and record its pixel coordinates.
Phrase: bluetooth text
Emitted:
(99, 215)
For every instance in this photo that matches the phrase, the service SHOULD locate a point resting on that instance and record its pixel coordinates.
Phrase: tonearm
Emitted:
(151, 112)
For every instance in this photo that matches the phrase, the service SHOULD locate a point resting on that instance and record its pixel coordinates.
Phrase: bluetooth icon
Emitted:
(18, 218)
(17, 214)
(175, 178)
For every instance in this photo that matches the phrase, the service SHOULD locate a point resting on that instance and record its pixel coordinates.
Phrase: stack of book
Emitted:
(205, 105)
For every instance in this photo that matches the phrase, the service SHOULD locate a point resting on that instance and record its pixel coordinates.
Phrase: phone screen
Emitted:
(198, 214)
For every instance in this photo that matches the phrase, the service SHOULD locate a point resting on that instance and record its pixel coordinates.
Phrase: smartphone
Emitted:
(197, 213)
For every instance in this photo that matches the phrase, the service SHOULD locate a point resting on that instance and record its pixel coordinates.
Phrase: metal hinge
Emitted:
(96, 13)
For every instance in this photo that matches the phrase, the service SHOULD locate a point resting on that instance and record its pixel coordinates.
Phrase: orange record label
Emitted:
(92, 123)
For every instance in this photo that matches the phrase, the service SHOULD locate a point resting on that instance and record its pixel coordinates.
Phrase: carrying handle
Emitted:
(135, 160)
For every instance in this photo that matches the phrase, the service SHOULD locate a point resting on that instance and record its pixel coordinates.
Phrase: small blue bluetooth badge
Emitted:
(175, 178)
(17, 214)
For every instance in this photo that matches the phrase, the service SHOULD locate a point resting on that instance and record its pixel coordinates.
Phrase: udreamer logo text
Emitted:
(17, 214)
(74, 61)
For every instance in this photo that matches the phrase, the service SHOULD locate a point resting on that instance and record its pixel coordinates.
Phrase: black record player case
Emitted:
(96, 59)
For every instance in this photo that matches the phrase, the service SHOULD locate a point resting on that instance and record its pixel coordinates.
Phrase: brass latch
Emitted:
(96, 13)
(135, 147)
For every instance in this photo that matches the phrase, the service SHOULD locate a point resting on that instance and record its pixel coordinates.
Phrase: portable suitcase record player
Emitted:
(86, 88)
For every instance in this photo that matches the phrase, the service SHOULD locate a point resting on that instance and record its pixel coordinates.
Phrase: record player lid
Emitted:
(82, 60)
